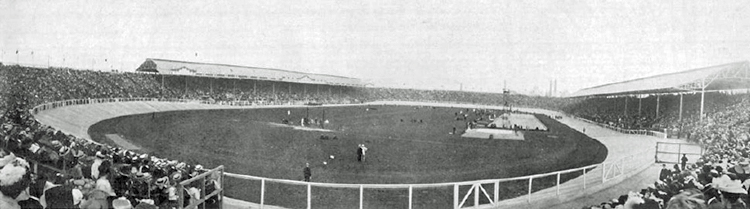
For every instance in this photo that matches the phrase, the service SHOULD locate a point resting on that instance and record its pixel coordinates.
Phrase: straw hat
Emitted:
(7, 159)
(14, 177)
(121, 203)
(730, 186)
(744, 162)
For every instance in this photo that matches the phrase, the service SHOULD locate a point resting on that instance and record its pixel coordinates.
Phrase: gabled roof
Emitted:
(720, 77)
(164, 66)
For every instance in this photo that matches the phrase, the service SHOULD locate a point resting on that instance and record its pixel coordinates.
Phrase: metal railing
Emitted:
(71, 102)
(466, 194)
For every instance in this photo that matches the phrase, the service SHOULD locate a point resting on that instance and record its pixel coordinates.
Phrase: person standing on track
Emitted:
(360, 153)
(307, 172)
(364, 153)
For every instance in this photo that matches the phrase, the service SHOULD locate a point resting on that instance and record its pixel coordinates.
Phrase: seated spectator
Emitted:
(61, 196)
(664, 173)
(691, 199)
(94, 199)
(15, 179)
(742, 170)
(103, 183)
(631, 201)
(730, 192)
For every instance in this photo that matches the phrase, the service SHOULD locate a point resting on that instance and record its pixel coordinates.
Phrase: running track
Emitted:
(77, 119)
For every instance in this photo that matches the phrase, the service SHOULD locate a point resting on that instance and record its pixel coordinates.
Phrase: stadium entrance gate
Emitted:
(670, 152)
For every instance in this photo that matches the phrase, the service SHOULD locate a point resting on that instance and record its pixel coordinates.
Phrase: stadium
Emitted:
(180, 132)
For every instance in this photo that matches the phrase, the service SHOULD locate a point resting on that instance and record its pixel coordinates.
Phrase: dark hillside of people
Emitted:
(55, 84)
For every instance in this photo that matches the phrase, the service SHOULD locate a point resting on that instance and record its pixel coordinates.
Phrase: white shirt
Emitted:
(104, 185)
(95, 168)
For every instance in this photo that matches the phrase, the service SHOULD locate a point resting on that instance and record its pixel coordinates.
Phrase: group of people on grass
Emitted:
(361, 157)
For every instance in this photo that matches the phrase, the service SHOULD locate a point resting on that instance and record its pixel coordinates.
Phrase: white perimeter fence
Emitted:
(487, 193)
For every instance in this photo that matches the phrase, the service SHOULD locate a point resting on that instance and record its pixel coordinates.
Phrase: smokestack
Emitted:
(555, 92)
(549, 93)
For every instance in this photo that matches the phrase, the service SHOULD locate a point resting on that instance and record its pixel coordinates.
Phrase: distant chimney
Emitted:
(554, 93)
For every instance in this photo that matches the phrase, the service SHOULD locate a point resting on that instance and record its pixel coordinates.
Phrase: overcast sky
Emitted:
(427, 44)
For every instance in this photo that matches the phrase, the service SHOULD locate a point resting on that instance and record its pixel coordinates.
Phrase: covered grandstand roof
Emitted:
(175, 67)
(721, 77)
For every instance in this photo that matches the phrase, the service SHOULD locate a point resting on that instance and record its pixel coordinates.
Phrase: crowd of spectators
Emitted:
(55, 84)
(705, 184)
(64, 171)
(71, 172)
(641, 113)
(719, 178)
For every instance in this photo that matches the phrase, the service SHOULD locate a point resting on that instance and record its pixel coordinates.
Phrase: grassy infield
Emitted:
(399, 152)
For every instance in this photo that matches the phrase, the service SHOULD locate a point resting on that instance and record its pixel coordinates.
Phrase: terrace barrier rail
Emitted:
(70, 102)
(489, 193)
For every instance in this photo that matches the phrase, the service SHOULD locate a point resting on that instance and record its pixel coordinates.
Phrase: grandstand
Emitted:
(707, 106)
(173, 67)
(720, 78)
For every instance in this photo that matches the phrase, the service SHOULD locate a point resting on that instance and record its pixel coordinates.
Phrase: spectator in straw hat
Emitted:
(15, 179)
(121, 203)
(742, 169)
(730, 192)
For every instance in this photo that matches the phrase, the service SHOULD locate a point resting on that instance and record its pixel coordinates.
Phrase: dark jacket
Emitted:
(59, 197)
